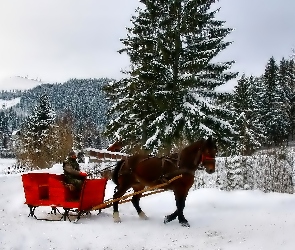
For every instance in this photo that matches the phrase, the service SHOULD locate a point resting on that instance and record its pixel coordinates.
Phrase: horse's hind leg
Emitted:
(135, 201)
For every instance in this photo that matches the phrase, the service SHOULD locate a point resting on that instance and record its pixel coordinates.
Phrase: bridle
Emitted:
(205, 158)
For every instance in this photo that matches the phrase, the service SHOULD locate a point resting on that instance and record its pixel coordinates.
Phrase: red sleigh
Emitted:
(44, 189)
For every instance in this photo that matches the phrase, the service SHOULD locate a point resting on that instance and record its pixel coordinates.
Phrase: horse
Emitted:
(138, 171)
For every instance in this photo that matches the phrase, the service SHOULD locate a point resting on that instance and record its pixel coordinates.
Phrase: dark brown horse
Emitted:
(139, 171)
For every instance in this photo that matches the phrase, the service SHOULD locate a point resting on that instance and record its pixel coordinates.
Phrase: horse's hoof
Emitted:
(166, 219)
(116, 217)
(142, 216)
(170, 217)
(185, 224)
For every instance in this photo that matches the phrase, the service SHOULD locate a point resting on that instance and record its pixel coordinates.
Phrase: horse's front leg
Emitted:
(120, 192)
(171, 217)
(135, 201)
(180, 204)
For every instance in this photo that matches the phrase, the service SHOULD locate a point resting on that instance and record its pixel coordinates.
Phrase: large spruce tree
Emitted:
(168, 94)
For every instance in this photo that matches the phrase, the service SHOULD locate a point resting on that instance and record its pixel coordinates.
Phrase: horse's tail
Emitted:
(116, 171)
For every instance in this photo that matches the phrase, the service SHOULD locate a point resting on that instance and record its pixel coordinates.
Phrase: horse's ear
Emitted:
(211, 140)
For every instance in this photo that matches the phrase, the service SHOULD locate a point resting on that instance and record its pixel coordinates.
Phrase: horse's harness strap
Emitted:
(121, 167)
(163, 178)
(164, 159)
(178, 171)
(190, 172)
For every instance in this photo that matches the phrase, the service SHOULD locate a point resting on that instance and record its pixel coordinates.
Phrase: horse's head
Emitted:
(208, 153)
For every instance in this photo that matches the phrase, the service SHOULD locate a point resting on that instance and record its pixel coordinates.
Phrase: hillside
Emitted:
(82, 98)
(6, 104)
(18, 83)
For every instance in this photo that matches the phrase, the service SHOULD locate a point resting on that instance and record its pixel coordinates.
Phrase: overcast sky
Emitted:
(54, 40)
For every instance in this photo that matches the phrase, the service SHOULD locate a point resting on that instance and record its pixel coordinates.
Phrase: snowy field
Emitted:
(236, 220)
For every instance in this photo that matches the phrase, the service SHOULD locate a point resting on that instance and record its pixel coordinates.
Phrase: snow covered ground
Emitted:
(6, 104)
(236, 220)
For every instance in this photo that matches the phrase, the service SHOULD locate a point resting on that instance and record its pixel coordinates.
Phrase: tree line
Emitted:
(264, 108)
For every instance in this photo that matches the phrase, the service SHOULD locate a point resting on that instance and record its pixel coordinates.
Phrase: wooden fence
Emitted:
(99, 155)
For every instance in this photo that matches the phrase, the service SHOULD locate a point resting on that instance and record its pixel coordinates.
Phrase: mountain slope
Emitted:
(18, 83)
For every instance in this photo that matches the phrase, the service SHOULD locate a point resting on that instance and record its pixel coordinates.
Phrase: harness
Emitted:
(205, 158)
(174, 161)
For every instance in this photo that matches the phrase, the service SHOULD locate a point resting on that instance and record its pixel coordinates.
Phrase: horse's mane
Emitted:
(116, 171)
(193, 146)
